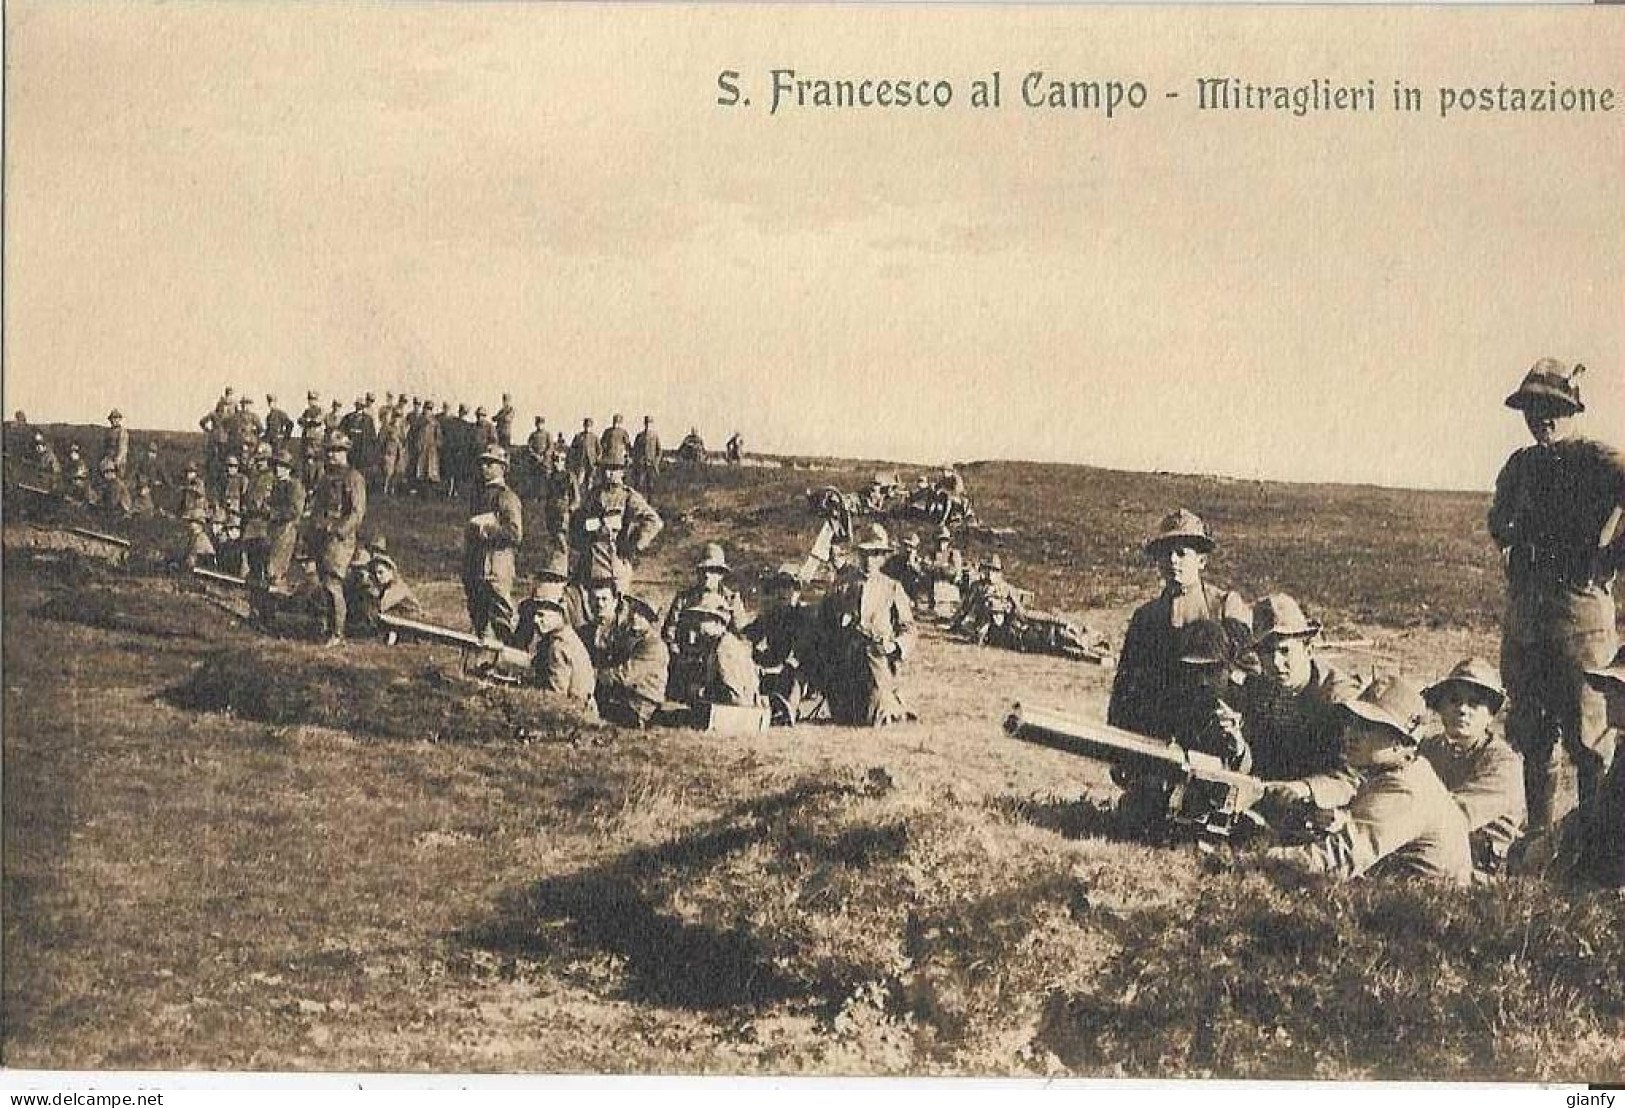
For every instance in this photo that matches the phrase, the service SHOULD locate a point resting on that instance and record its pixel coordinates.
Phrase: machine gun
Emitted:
(492, 660)
(1195, 791)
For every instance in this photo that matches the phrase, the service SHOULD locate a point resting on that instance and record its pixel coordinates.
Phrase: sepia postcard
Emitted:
(813, 540)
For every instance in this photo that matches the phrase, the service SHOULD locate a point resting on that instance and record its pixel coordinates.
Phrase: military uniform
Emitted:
(278, 427)
(503, 421)
(1551, 503)
(613, 527)
(561, 665)
(257, 525)
(988, 613)
(632, 686)
(868, 623)
(391, 443)
(1297, 734)
(286, 503)
(1486, 781)
(784, 650)
(490, 555)
(583, 456)
(337, 509)
(646, 459)
(1148, 665)
(116, 447)
(728, 675)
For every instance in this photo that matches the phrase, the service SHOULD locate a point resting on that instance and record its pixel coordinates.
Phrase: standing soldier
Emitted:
(646, 458)
(613, 527)
(116, 443)
(391, 444)
(456, 438)
(312, 424)
(216, 428)
(538, 458)
(734, 449)
(1556, 519)
(869, 624)
(485, 432)
(278, 425)
(426, 449)
(359, 427)
(244, 430)
(286, 503)
(490, 550)
(1148, 667)
(584, 454)
(336, 511)
(333, 421)
(504, 423)
(257, 515)
(615, 439)
(561, 499)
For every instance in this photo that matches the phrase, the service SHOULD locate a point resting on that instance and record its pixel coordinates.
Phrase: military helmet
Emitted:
(1474, 672)
(1395, 703)
(1549, 382)
(1183, 528)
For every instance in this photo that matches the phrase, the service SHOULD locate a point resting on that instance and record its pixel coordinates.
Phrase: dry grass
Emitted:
(231, 852)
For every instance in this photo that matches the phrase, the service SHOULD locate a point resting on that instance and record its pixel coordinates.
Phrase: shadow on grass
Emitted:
(620, 908)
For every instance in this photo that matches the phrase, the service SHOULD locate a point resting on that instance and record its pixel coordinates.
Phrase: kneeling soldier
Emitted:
(726, 674)
(1401, 817)
(1482, 772)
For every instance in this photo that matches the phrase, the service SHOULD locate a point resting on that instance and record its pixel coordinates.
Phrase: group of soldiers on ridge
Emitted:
(1356, 778)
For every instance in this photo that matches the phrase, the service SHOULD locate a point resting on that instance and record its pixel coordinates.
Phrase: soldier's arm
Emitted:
(648, 523)
(1504, 508)
(556, 671)
(902, 622)
(1494, 793)
(509, 528)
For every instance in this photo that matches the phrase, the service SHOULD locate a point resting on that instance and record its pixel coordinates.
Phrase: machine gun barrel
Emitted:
(507, 657)
(1136, 753)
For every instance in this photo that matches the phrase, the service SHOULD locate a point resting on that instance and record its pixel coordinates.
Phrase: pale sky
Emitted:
(462, 200)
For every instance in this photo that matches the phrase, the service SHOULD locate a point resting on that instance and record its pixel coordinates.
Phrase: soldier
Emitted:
(490, 550)
(615, 439)
(286, 504)
(147, 466)
(834, 530)
(712, 576)
(312, 424)
(485, 431)
(783, 646)
(1597, 831)
(613, 527)
(1291, 714)
(646, 458)
(689, 653)
(244, 431)
(278, 424)
(116, 443)
(194, 494)
(381, 591)
(110, 493)
(1556, 519)
(313, 460)
(1401, 817)
(1201, 692)
(75, 474)
(504, 423)
(141, 500)
(538, 459)
(906, 568)
(257, 516)
(991, 608)
(1179, 551)
(1483, 773)
(426, 448)
(725, 672)
(456, 438)
(734, 449)
(19, 435)
(359, 427)
(692, 448)
(216, 427)
(337, 509)
(583, 455)
(868, 624)
(605, 620)
(233, 489)
(333, 421)
(45, 465)
(632, 680)
(391, 444)
(198, 547)
(560, 663)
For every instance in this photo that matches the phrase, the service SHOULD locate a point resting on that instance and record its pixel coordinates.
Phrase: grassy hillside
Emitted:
(231, 851)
